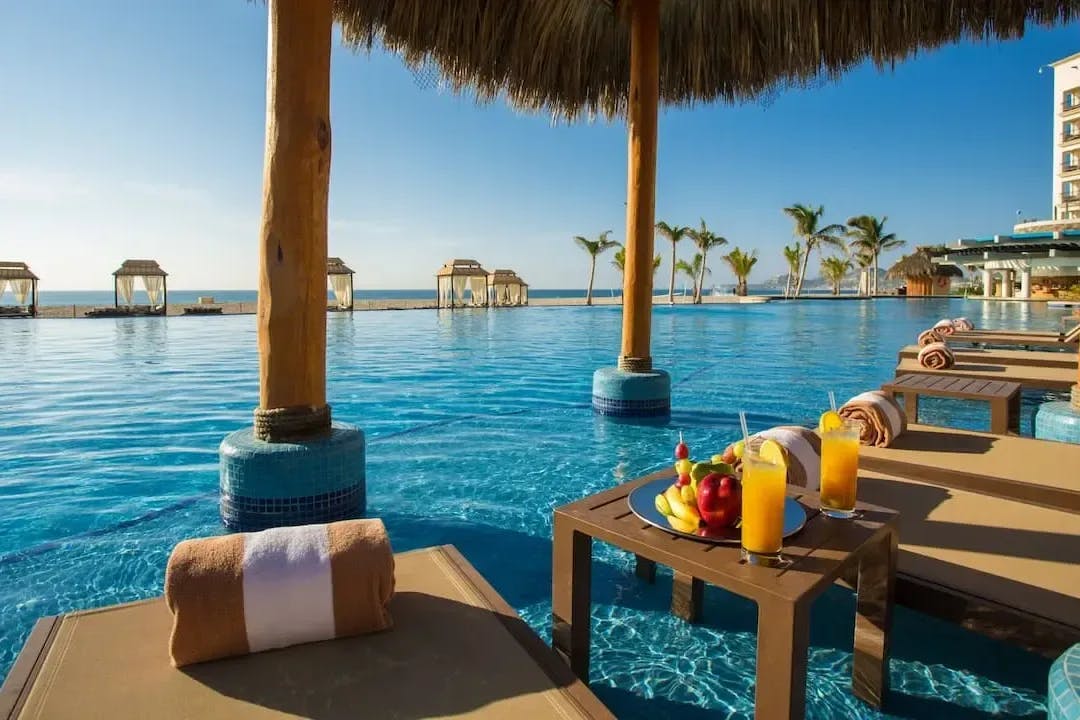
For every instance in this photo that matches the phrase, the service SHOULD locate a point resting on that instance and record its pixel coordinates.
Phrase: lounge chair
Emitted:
(984, 356)
(1030, 378)
(456, 649)
(1005, 568)
(1038, 472)
(1007, 338)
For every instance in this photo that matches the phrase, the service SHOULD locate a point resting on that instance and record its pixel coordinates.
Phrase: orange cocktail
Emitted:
(839, 470)
(763, 490)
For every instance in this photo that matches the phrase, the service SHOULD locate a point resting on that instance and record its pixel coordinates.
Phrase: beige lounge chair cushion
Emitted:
(449, 655)
(1008, 552)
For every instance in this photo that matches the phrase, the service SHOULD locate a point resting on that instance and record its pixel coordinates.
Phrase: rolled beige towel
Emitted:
(936, 356)
(944, 327)
(879, 417)
(927, 337)
(249, 592)
(962, 324)
(802, 448)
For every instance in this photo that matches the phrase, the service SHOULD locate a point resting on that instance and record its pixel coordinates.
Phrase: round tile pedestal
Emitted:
(1063, 702)
(623, 394)
(1059, 420)
(267, 485)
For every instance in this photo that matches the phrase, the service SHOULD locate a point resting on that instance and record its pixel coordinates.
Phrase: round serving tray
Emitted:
(642, 501)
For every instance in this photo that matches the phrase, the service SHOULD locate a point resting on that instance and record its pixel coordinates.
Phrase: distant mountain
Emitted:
(779, 282)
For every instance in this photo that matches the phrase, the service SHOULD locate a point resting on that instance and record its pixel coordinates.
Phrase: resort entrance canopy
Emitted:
(153, 281)
(17, 277)
(1040, 261)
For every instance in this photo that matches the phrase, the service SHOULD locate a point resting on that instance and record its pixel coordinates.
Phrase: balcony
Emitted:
(1070, 167)
(1070, 106)
(1069, 136)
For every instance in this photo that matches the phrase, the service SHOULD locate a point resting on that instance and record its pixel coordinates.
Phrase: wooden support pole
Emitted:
(641, 184)
(296, 180)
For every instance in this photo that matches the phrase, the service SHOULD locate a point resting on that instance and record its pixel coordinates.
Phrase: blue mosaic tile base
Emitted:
(267, 485)
(1063, 702)
(618, 393)
(1058, 421)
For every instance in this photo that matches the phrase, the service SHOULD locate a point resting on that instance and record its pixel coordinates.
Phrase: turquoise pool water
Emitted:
(478, 424)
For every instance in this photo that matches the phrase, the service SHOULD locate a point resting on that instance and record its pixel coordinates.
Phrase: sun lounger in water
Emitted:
(1029, 377)
(1006, 568)
(456, 649)
(1033, 358)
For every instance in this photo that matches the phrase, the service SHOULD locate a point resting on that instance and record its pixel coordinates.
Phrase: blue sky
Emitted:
(135, 129)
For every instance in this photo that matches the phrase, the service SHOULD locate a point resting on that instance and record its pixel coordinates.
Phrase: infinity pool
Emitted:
(478, 424)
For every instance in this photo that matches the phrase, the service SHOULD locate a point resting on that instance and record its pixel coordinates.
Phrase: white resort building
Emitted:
(1039, 258)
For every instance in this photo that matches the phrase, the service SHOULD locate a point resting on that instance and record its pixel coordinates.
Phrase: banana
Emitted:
(688, 495)
(685, 526)
(681, 509)
(662, 505)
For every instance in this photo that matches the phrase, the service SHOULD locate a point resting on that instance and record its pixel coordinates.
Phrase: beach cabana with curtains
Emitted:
(460, 278)
(340, 279)
(505, 288)
(152, 278)
(17, 279)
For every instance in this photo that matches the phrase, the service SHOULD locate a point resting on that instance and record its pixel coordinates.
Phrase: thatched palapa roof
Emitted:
(920, 264)
(15, 271)
(335, 266)
(461, 267)
(505, 277)
(573, 57)
(140, 268)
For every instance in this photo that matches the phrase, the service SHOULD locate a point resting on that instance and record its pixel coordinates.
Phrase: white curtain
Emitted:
(460, 281)
(342, 286)
(3, 284)
(524, 294)
(478, 289)
(152, 283)
(125, 285)
(505, 295)
(21, 288)
(515, 294)
(446, 296)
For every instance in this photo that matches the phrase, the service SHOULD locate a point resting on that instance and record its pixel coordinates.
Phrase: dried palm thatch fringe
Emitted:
(572, 56)
(920, 264)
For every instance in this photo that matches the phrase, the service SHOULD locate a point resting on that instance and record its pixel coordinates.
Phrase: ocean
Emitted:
(105, 297)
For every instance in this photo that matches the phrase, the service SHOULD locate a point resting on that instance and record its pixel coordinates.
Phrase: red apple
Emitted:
(684, 479)
(719, 500)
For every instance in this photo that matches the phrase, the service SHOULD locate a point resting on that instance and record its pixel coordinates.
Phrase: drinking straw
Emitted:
(832, 400)
(745, 431)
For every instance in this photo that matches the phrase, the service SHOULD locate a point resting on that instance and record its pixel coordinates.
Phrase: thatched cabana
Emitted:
(506, 288)
(24, 286)
(340, 280)
(153, 281)
(922, 275)
(455, 277)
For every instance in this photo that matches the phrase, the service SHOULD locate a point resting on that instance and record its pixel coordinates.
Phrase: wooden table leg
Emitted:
(873, 620)
(1014, 413)
(783, 639)
(999, 416)
(571, 596)
(687, 594)
(911, 406)
(645, 569)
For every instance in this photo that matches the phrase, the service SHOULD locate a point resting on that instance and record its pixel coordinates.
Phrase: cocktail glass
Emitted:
(763, 490)
(839, 470)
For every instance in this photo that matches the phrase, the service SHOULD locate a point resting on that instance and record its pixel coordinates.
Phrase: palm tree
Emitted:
(594, 248)
(806, 226)
(674, 234)
(870, 240)
(741, 264)
(793, 256)
(694, 269)
(835, 269)
(704, 239)
(619, 261)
